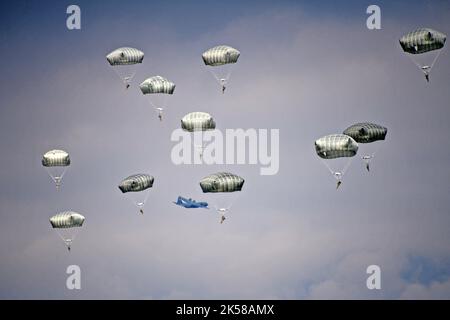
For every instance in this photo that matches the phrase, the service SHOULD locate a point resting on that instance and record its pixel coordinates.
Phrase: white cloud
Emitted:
(436, 290)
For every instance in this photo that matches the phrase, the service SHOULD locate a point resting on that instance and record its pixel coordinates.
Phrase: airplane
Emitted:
(189, 203)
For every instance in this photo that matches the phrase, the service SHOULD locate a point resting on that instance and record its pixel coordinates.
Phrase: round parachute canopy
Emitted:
(336, 146)
(67, 219)
(422, 40)
(136, 183)
(220, 55)
(56, 163)
(157, 84)
(221, 182)
(56, 158)
(197, 121)
(125, 56)
(366, 132)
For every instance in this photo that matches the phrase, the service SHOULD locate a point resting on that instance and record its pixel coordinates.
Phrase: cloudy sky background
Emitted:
(305, 69)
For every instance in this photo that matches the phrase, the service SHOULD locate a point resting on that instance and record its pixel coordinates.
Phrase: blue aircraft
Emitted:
(189, 203)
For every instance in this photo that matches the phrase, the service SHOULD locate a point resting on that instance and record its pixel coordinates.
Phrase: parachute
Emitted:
(423, 46)
(124, 60)
(56, 163)
(136, 187)
(67, 224)
(334, 150)
(223, 189)
(221, 59)
(369, 134)
(159, 89)
(197, 123)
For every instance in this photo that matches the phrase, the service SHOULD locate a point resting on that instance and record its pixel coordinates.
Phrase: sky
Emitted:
(306, 69)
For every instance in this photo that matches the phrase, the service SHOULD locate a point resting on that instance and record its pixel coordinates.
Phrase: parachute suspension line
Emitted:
(376, 149)
(62, 174)
(61, 236)
(338, 174)
(156, 106)
(223, 211)
(140, 205)
(68, 241)
(214, 75)
(367, 158)
(435, 59)
(131, 76)
(425, 69)
(222, 81)
(159, 107)
(347, 165)
(228, 74)
(328, 167)
(57, 180)
(125, 79)
(153, 105)
(416, 63)
(75, 233)
(219, 81)
(234, 199)
(199, 147)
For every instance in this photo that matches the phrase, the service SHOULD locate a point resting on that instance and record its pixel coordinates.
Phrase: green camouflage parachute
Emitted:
(66, 224)
(123, 60)
(56, 163)
(222, 188)
(367, 133)
(220, 59)
(158, 88)
(222, 182)
(421, 42)
(197, 121)
(336, 146)
(135, 187)
(157, 84)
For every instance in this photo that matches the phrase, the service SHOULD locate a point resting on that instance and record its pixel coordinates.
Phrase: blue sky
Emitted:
(306, 69)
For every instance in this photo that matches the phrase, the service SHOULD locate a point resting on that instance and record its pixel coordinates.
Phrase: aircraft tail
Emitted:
(179, 202)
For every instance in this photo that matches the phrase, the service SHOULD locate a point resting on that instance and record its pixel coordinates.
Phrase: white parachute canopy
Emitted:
(56, 163)
(222, 190)
(67, 224)
(124, 61)
(220, 61)
(197, 123)
(158, 89)
(336, 152)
